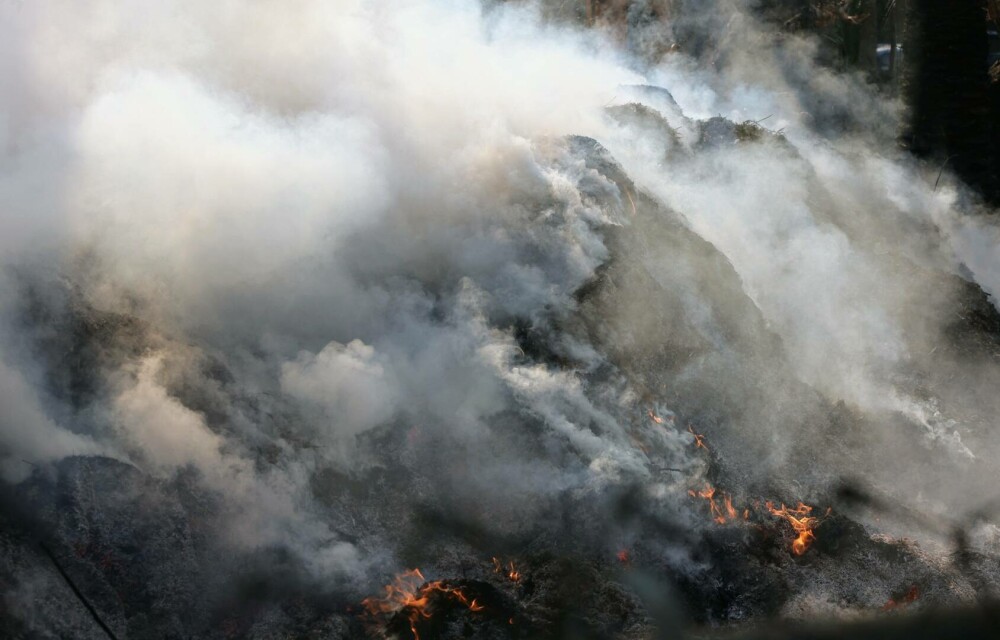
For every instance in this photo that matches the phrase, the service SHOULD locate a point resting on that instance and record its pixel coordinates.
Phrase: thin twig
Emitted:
(941, 170)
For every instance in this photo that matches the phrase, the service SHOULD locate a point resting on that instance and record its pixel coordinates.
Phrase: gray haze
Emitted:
(295, 245)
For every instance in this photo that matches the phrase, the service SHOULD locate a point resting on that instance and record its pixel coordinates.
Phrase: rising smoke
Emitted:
(342, 267)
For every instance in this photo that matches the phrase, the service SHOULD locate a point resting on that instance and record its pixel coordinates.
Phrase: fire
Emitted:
(669, 419)
(910, 596)
(411, 593)
(699, 439)
(623, 556)
(722, 510)
(802, 523)
(720, 507)
(510, 570)
(630, 201)
(730, 511)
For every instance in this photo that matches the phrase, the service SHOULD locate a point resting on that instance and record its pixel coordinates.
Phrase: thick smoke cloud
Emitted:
(309, 244)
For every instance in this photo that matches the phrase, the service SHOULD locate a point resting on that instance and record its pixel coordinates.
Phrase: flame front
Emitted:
(411, 593)
(720, 507)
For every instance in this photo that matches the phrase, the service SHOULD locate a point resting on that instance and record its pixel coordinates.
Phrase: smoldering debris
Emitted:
(436, 320)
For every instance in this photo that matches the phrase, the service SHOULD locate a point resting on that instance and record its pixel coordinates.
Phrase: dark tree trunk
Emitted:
(947, 87)
(860, 33)
(893, 29)
(868, 36)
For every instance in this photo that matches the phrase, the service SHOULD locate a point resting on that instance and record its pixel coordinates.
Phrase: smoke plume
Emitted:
(381, 280)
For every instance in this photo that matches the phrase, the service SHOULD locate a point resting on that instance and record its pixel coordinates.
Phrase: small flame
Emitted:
(802, 523)
(655, 418)
(411, 593)
(721, 512)
(623, 556)
(510, 570)
(730, 511)
(630, 201)
(699, 439)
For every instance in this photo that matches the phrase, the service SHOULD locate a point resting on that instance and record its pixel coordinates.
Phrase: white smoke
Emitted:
(29, 435)
(351, 205)
(347, 384)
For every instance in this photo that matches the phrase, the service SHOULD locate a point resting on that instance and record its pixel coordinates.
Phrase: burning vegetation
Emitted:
(510, 571)
(803, 524)
(410, 597)
(699, 439)
(312, 308)
(722, 511)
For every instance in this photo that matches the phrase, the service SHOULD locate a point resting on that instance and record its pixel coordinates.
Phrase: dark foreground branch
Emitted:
(93, 612)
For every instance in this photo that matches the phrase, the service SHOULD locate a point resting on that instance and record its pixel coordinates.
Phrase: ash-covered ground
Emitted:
(453, 319)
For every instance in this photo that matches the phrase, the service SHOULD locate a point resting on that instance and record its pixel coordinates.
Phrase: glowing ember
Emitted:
(802, 523)
(699, 439)
(510, 570)
(623, 556)
(910, 596)
(410, 593)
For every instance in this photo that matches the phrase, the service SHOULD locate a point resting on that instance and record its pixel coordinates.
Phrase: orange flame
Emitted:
(699, 439)
(630, 201)
(655, 418)
(721, 512)
(802, 523)
(510, 570)
(623, 556)
(410, 592)
(730, 511)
